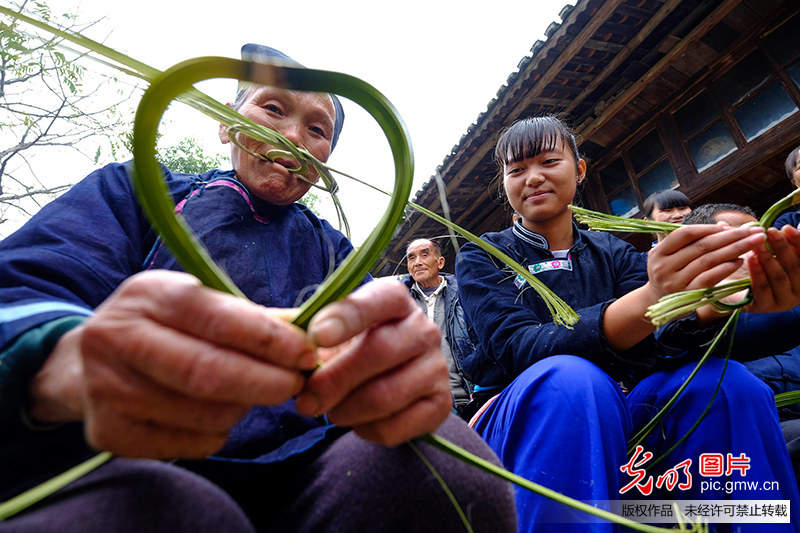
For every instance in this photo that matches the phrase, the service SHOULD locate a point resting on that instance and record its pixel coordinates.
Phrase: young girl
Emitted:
(561, 419)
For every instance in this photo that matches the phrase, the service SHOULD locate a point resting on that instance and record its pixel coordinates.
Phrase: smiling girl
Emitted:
(560, 417)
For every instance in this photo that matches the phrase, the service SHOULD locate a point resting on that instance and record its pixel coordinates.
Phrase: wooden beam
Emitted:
(577, 44)
(576, 76)
(636, 12)
(659, 16)
(603, 46)
(627, 30)
(555, 102)
(586, 130)
(475, 203)
(586, 61)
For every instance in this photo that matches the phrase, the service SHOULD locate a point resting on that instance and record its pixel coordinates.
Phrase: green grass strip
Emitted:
(482, 464)
(444, 486)
(787, 398)
(604, 222)
(38, 493)
(733, 319)
(640, 436)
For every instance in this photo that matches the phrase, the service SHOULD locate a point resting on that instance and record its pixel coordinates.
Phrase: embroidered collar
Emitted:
(530, 237)
(539, 241)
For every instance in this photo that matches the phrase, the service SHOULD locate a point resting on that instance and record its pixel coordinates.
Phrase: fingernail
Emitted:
(756, 229)
(757, 238)
(328, 331)
(308, 403)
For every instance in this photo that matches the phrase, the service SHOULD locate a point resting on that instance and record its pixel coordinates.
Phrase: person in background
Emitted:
(759, 336)
(437, 295)
(666, 206)
(733, 215)
(106, 345)
(792, 167)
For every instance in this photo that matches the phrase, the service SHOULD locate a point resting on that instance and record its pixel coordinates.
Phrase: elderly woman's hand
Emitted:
(385, 374)
(166, 367)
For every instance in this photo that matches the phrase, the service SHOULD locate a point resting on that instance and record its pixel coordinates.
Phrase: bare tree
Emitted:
(48, 101)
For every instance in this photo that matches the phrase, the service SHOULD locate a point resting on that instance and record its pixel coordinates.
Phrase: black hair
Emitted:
(437, 248)
(531, 136)
(666, 199)
(791, 163)
(705, 213)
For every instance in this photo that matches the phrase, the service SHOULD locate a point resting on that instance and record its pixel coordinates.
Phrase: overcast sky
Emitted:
(439, 62)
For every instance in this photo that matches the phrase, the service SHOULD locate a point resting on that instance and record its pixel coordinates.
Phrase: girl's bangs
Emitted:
(530, 137)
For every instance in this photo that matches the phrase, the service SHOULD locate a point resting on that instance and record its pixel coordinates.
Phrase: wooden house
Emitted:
(697, 95)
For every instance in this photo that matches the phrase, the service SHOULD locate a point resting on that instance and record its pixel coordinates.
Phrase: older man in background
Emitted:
(437, 295)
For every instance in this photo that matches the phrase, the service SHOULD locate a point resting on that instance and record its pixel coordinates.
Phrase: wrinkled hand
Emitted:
(775, 280)
(166, 367)
(386, 375)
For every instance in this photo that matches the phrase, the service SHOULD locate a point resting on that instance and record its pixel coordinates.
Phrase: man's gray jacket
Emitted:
(457, 333)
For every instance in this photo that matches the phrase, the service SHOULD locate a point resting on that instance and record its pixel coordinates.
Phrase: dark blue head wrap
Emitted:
(256, 52)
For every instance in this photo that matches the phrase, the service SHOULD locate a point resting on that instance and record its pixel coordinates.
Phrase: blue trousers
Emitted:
(564, 424)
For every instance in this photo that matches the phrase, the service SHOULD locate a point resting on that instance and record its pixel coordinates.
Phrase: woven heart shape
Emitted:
(159, 207)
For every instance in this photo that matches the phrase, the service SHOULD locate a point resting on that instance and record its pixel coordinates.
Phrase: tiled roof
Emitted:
(587, 70)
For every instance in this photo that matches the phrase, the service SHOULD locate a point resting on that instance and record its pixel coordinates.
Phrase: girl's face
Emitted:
(541, 187)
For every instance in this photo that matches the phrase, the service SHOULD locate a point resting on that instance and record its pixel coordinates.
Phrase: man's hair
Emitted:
(437, 248)
(705, 213)
(667, 199)
(791, 163)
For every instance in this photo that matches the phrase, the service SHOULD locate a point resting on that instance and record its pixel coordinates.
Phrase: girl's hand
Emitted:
(699, 256)
(775, 279)
(691, 257)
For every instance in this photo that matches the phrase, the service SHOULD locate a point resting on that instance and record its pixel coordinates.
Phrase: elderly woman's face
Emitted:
(306, 119)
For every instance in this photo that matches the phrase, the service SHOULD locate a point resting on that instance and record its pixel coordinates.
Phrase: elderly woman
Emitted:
(104, 345)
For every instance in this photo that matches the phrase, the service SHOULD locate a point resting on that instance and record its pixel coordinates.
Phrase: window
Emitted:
(623, 203)
(652, 170)
(783, 43)
(758, 102)
(729, 110)
(765, 110)
(752, 94)
(744, 78)
(659, 178)
(711, 146)
(618, 190)
(615, 176)
(700, 123)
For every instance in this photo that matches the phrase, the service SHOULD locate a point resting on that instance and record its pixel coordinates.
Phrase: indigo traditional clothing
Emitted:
(562, 419)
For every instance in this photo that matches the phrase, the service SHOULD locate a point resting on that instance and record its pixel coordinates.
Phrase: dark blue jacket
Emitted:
(513, 326)
(457, 333)
(69, 258)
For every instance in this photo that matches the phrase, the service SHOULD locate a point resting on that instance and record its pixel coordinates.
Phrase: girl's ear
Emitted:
(581, 170)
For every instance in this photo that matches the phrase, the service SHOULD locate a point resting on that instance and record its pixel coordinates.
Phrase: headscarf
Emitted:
(256, 52)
